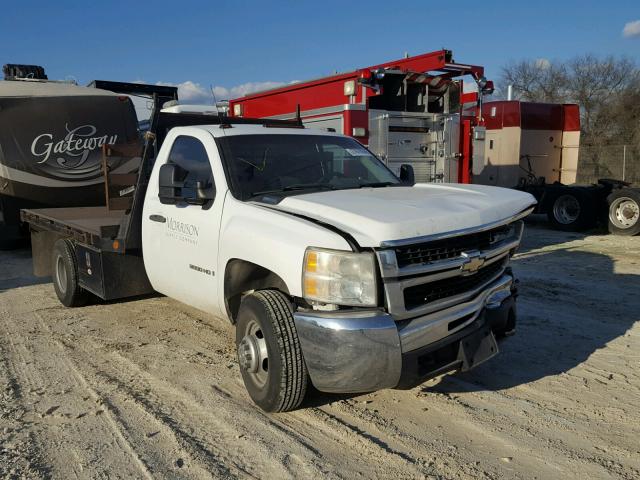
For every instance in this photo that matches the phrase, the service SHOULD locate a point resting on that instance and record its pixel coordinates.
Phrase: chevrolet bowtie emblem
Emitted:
(472, 262)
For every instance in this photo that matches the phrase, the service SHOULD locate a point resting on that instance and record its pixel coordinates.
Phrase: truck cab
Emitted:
(334, 271)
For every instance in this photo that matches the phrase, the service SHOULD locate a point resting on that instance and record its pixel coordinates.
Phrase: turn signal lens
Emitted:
(311, 261)
(310, 286)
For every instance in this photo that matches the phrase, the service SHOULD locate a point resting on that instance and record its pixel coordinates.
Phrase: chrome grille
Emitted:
(423, 294)
(424, 277)
(424, 253)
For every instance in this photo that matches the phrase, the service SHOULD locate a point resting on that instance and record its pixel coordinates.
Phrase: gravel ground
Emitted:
(151, 389)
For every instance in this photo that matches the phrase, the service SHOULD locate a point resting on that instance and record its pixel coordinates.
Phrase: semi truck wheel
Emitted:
(269, 352)
(65, 275)
(572, 211)
(624, 211)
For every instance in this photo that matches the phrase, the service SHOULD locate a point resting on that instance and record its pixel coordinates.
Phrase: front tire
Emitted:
(269, 353)
(65, 275)
(624, 211)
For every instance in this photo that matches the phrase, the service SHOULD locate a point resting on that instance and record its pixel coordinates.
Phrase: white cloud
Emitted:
(543, 63)
(190, 92)
(631, 29)
(223, 93)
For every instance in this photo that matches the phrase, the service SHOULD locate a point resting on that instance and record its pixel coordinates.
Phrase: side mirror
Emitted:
(407, 175)
(171, 182)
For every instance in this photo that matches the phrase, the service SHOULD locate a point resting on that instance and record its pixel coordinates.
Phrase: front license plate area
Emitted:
(477, 348)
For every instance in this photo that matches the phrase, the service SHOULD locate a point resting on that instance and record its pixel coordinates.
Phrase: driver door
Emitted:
(180, 237)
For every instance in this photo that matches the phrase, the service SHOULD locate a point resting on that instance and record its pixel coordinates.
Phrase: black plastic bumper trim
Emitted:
(445, 355)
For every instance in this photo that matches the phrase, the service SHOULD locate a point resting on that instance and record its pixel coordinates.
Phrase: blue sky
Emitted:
(231, 43)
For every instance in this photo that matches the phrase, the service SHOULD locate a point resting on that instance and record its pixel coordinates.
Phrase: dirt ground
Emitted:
(151, 388)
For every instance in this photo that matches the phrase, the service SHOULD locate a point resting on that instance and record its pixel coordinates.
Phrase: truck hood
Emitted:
(376, 215)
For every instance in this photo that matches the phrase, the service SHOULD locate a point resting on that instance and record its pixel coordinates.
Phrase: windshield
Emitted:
(288, 164)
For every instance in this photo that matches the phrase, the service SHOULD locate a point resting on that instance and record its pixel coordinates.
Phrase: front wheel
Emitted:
(624, 211)
(269, 353)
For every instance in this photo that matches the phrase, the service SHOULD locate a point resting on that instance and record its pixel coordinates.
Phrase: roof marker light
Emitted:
(349, 88)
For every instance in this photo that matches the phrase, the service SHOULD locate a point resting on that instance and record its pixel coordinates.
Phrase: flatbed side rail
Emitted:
(40, 222)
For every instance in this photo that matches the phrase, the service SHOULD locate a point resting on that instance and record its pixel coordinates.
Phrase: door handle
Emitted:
(157, 218)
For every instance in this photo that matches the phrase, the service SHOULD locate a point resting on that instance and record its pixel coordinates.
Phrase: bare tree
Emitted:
(536, 80)
(597, 85)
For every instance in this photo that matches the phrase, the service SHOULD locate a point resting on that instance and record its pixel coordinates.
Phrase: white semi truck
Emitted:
(333, 270)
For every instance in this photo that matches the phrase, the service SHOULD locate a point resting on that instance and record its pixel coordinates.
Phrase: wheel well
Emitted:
(241, 276)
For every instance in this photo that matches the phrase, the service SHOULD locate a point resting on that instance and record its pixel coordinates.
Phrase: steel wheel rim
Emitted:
(253, 356)
(566, 209)
(624, 212)
(61, 274)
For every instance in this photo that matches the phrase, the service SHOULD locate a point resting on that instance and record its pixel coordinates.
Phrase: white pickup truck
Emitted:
(333, 270)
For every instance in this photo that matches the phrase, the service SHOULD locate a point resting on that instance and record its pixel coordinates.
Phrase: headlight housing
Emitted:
(339, 277)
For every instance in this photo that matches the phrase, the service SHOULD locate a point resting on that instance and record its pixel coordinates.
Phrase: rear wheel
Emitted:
(624, 211)
(65, 275)
(572, 211)
(269, 353)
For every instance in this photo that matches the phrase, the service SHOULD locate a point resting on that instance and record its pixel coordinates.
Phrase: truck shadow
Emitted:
(15, 269)
(538, 233)
(316, 398)
(571, 304)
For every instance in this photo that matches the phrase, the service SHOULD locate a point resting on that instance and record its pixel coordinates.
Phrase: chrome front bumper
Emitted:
(357, 351)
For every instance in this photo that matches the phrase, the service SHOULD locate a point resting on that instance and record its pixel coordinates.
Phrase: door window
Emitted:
(189, 154)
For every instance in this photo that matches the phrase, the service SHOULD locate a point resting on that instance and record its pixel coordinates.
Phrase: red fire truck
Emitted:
(418, 112)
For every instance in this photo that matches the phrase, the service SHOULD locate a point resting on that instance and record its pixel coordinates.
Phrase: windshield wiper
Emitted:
(297, 186)
(377, 184)
(304, 186)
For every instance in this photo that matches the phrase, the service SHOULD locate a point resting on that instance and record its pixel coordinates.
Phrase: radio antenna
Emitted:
(213, 93)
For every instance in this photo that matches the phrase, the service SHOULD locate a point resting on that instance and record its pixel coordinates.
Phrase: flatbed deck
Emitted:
(104, 267)
(90, 225)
